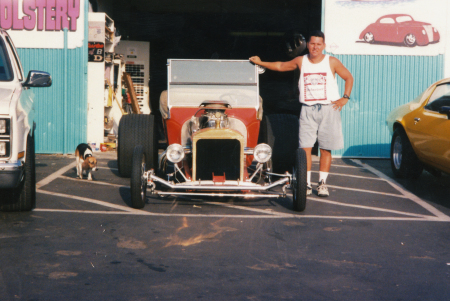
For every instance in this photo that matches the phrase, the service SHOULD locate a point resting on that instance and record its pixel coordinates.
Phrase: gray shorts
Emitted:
(322, 123)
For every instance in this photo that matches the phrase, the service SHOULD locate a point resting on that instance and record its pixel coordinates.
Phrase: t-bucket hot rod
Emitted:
(212, 116)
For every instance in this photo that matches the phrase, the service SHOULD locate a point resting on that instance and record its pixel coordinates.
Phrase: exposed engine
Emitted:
(210, 118)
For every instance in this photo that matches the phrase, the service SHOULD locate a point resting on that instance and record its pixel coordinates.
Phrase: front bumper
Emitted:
(226, 189)
(11, 175)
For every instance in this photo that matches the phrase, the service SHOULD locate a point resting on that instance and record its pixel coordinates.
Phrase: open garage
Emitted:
(218, 30)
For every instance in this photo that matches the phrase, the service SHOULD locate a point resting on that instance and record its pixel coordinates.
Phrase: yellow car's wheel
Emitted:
(404, 161)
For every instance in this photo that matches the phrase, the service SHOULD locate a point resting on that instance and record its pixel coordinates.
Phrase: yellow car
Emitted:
(421, 133)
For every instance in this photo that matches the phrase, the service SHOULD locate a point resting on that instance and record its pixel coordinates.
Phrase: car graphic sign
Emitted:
(385, 27)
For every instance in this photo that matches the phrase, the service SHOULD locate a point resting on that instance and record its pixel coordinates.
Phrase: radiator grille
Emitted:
(218, 156)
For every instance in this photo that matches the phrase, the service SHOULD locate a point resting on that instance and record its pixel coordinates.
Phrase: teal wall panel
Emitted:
(61, 110)
(381, 84)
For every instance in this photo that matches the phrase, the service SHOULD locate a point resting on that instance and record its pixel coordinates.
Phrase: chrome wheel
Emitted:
(143, 180)
(138, 182)
(368, 37)
(397, 152)
(404, 162)
(410, 40)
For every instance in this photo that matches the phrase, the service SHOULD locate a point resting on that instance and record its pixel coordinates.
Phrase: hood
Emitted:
(414, 23)
(5, 100)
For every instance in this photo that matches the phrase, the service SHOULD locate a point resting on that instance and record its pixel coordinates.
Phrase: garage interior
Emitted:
(218, 29)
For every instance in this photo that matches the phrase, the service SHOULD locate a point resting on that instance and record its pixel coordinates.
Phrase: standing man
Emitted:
(320, 117)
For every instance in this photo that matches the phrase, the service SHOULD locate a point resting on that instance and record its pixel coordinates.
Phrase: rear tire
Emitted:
(369, 38)
(23, 198)
(138, 185)
(136, 129)
(404, 162)
(280, 131)
(299, 181)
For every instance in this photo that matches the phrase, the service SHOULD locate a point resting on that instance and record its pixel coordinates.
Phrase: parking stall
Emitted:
(357, 192)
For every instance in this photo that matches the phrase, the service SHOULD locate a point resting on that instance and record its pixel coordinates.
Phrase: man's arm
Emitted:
(339, 68)
(278, 66)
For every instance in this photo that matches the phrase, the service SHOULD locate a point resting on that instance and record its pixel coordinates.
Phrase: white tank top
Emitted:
(317, 84)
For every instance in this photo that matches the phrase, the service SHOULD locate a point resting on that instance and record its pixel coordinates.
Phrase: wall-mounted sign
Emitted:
(96, 31)
(96, 52)
(385, 27)
(40, 24)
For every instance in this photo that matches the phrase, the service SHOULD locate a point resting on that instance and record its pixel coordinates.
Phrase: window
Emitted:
(6, 73)
(404, 19)
(16, 58)
(387, 21)
(439, 98)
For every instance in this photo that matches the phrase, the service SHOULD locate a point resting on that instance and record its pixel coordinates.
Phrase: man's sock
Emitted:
(323, 176)
(308, 178)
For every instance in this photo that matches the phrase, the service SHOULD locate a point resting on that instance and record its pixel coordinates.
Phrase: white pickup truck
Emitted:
(17, 158)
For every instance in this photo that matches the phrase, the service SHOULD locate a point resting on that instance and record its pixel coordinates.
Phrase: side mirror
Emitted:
(38, 79)
(445, 110)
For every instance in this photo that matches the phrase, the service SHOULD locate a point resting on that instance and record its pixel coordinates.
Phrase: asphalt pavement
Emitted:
(373, 238)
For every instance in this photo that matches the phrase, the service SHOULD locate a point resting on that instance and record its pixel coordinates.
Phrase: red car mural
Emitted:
(400, 28)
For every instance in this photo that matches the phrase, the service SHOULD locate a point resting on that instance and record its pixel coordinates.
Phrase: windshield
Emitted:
(5, 65)
(439, 98)
(403, 19)
(192, 82)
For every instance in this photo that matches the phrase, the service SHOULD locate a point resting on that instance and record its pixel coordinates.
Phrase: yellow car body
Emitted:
(425, 120)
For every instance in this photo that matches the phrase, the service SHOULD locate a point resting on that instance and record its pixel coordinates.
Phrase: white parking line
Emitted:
(400, 188)
(371, 208)
(55, 175)
(93, 201)
(439, 216)
(337, 165)
(352, 176)
(110, 168)
(93, 182)
(366, 191)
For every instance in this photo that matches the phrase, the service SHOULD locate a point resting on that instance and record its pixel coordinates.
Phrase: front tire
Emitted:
(138, 184)
(404, 162)
(299, 176)
(23, 198)
(410, 40)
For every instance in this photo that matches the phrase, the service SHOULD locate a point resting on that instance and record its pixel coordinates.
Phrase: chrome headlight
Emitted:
(424, 32)
(262, 153)
(175, 153)
(2, 148)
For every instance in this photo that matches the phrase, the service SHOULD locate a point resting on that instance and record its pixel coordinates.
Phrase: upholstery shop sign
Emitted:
(386, 27)
(40, 23)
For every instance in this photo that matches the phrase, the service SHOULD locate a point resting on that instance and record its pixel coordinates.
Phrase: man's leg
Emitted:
(325, 160)
(324, 169)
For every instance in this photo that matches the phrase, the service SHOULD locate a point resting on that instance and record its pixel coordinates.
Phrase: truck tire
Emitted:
(23, 198)
(280, 131)
(136, 129)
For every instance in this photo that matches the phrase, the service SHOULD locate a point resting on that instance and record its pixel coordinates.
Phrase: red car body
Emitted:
(400, 28)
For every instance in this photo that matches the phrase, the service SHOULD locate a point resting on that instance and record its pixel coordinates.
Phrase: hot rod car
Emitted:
(400, 28)
(212, 116)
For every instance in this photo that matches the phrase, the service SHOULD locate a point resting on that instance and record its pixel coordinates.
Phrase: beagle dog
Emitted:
(85, 160)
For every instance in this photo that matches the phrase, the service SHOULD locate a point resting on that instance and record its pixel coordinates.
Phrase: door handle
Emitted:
(416, 120)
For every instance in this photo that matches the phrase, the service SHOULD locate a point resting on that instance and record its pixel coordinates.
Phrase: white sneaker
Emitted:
(322, 189)
(308, 189)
